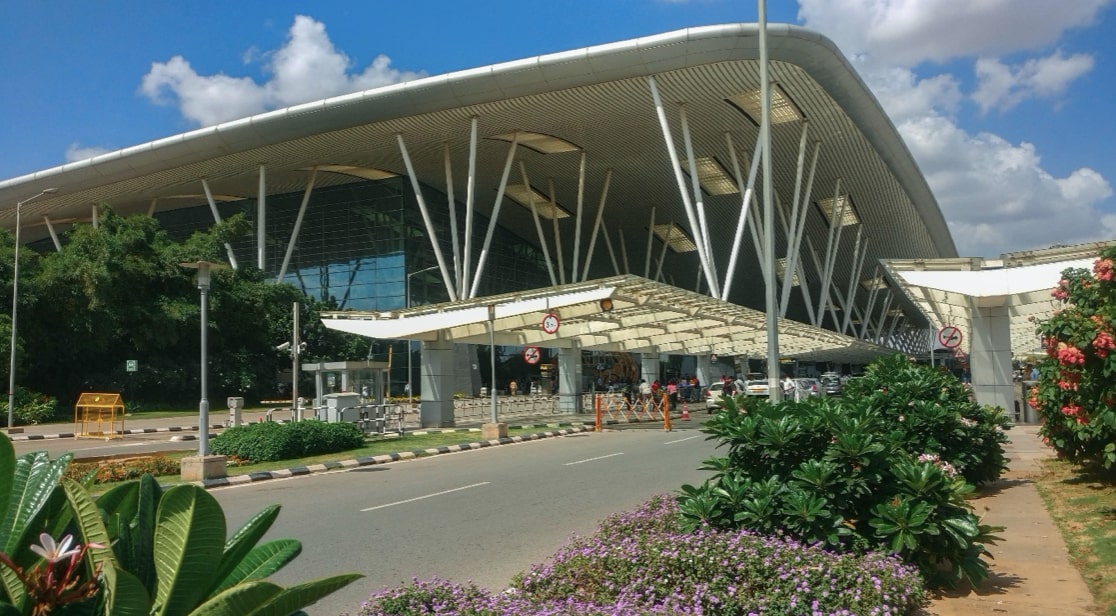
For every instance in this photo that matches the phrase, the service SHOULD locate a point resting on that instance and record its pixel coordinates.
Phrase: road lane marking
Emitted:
(681, 440)
(418, 498)
(594, 459)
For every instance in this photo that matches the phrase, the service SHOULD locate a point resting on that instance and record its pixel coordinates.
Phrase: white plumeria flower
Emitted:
(54, 552)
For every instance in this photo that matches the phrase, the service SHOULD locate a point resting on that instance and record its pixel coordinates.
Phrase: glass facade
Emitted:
(358, 243)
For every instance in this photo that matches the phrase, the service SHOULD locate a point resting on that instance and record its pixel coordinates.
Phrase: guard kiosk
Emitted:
(349, 376)
(99, 416)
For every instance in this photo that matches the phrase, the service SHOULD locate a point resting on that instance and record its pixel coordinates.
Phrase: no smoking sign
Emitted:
(950, 336)
(532, 355)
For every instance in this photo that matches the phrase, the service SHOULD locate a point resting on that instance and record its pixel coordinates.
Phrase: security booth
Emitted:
(336, 377)
(98, 415)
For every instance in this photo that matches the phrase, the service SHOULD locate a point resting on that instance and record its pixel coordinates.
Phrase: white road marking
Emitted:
(418, 498)
(681, 440)
(594, 459)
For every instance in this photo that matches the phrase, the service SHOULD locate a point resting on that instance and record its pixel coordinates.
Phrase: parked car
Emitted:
(807, 387)
(756, 384)
(713, 396)
(831, 383)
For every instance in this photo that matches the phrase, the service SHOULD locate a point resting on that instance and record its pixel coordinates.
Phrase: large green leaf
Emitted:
(33, 481)
(242, 542)
(139, 529)
(262, 561)
(189, 540)
(124, 594)
(90, 523)
(240, 599)
(7, 471)
(302, 595)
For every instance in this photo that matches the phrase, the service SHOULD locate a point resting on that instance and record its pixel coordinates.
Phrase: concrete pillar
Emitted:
(649, 366)
(704, 370)
(569, 380)
(436, 374)
(990, 356)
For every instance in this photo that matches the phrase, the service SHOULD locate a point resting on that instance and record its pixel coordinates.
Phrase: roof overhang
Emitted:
(949, 290)
(644, 316)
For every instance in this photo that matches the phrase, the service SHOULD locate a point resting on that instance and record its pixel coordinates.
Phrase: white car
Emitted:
(805, 387)
(713, 396)
(756, 384)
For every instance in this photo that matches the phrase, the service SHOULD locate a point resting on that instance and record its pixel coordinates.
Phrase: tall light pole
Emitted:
(204, 268)
(410, 379)
(15, 305)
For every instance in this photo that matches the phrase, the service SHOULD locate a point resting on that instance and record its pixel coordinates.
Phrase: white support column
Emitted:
(623, 249)
(470, 198)
(662, 254)
(293, 241)
(608, 245)
(770, 306)
(894, 324)
(871, 304)
(757, 232)
(495, 216)
(560, 258)
(804, 288)
(151, 207)
(217, 219)
(437, 377)
(452, 217)
(569, 380)
(704, 370)
(447, 279)
(53, 234)
(577, 219)
(799, 214)
(650, 245)
(746, 192)
(830, 250)
(883, 314)
(699, 203)
(96, 216)
(857, 263)
(261, 219)
(538, 223)
(649, 365)
(819, 315)
(681, 183)
(597, 225)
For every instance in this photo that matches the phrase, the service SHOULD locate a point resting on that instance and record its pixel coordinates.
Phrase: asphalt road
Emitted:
(479, 515)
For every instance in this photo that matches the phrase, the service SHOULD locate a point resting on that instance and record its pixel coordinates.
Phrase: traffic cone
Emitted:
(685, 411)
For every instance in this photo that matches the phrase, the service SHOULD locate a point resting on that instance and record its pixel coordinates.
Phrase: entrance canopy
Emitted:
(622, 313)
(949, 290)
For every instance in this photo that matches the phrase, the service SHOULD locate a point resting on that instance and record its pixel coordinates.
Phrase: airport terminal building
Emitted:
(615, 188)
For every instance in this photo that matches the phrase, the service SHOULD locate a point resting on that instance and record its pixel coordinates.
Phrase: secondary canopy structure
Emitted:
(621, 313)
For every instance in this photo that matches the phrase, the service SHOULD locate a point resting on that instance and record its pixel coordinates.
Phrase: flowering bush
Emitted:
(1076, 390)
(639, 564)
(110, 471)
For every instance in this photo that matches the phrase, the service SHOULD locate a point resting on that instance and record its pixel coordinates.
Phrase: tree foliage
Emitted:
(1075, 393)
(118, 292)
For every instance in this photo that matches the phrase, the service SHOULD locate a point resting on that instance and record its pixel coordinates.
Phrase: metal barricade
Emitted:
(381, 419)
(617, 408)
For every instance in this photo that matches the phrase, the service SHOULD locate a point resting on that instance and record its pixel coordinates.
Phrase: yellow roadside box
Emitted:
(97, 416)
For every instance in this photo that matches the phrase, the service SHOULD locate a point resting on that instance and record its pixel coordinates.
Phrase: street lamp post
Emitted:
(410, 378)
(15, 305)
(204, 466)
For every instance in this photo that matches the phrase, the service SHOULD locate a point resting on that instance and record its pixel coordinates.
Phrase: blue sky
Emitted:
(1005, 104)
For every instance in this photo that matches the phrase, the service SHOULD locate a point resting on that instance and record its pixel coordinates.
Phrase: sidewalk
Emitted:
(1031, 572)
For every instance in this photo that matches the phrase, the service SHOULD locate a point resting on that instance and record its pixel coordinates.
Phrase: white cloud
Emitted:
(908, 32)
(307, 67)
(996, 196)
(76, 152)
(1003, 87)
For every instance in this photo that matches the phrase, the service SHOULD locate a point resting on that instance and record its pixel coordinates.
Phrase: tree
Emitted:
(1076, 391)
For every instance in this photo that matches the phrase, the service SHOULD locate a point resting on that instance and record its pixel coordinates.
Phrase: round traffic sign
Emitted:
(532, 355)
(550, 323)
(950, 336)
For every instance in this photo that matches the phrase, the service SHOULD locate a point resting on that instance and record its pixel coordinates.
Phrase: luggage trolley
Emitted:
(99, 416)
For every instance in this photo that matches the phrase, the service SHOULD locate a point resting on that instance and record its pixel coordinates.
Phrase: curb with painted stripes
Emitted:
(386, 458)
(41, 437)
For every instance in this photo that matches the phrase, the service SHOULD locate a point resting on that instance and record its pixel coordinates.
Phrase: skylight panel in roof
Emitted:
(547, 210)
(780, 268)
(783, 109)
(874, 283)
(367, 173)
(843, 205)
(712, 176)
(539, 142)
(675, 237)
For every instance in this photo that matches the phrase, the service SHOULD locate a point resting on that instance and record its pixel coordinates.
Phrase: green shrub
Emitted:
(270, 441)
(882, 467)
(34, 408)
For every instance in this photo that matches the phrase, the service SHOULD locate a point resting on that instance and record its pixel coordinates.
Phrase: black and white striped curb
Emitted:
(386, 458)
(40, 437)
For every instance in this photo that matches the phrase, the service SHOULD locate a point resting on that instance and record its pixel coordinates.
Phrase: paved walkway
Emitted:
(1031, 572)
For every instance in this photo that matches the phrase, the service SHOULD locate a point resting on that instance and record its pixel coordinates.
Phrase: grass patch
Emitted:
(1083, 505)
